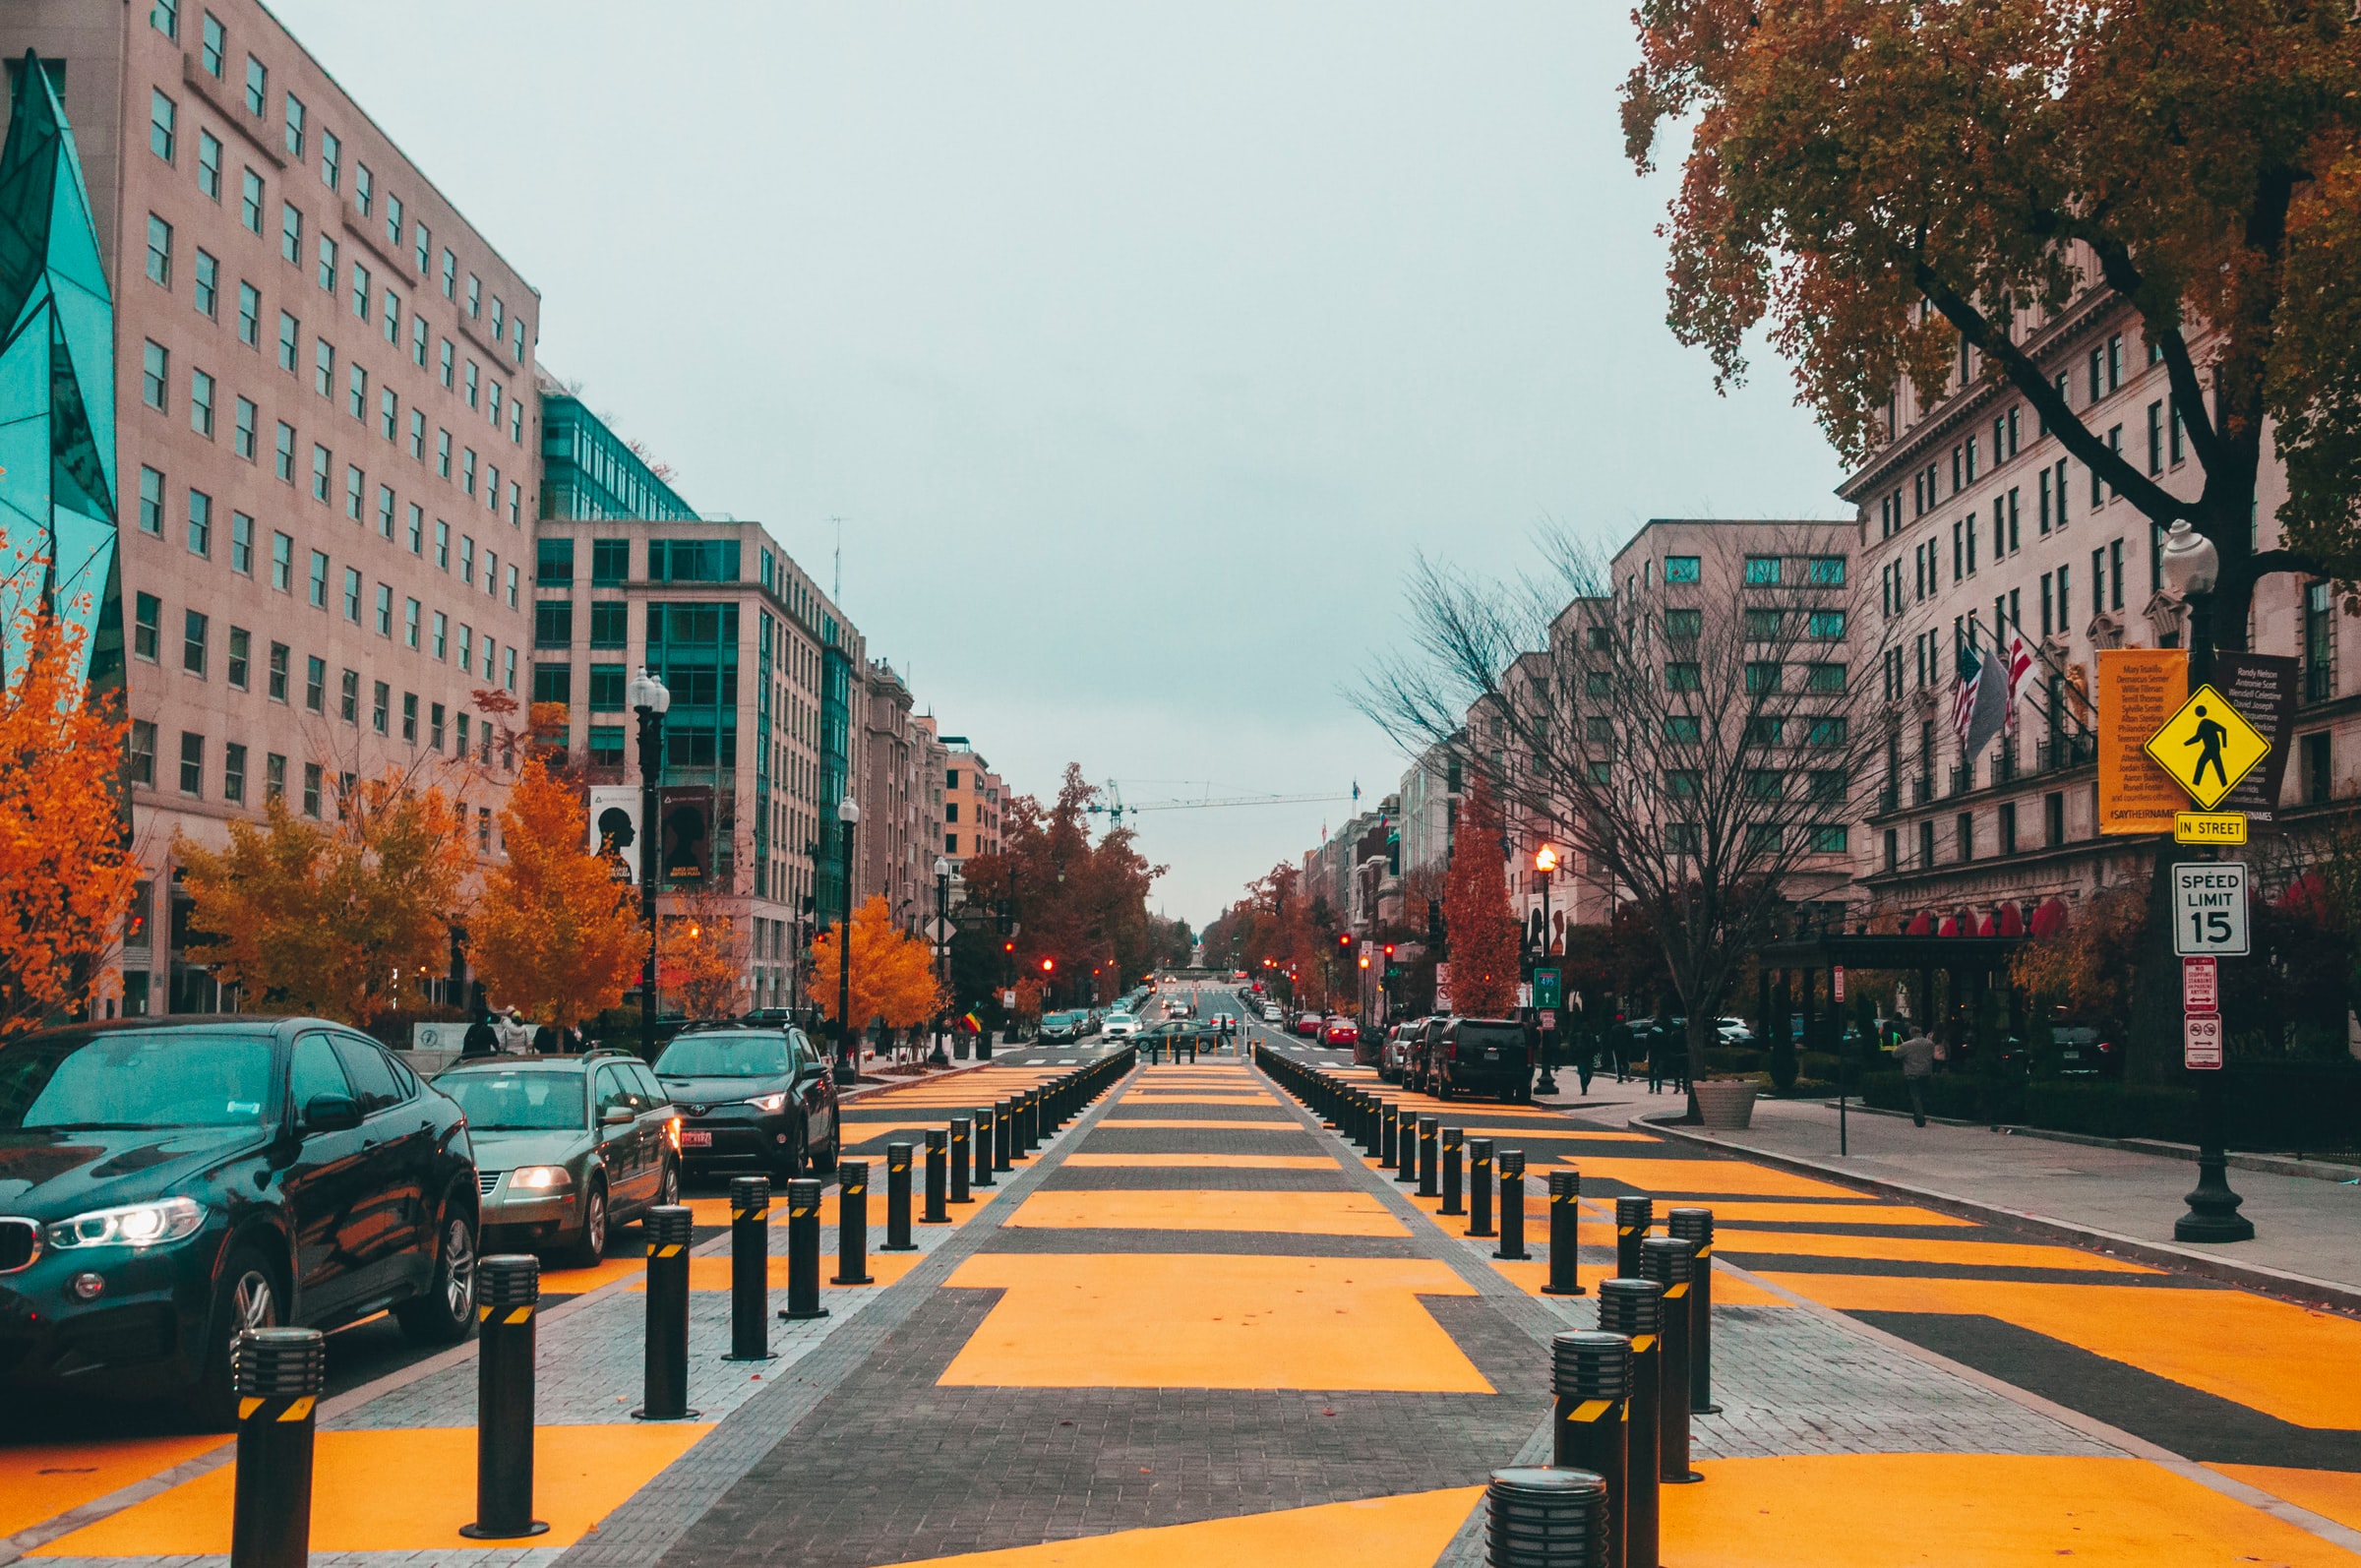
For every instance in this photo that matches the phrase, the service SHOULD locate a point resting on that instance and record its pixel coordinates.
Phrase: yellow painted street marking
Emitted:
(1220, 1321)
(2330, 1493)
(1219, 1161)
(1119, 1122)
(1915, 1249)
(1406, 1532)
(1969, 1511)
(1289, 1213)
(1712, 1178)
(1862, 1212)
(41, 1480)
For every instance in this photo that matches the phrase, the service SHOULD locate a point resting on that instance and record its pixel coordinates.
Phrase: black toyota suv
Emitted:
(1486, 1056)
(165, 1184)
(752, 1095)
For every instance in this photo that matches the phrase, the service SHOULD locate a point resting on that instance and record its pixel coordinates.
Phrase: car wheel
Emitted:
(668, 1186)
(588, 1249)
(788, 1163)
(1443, 1089)
(446, 1314)
(247, 1294)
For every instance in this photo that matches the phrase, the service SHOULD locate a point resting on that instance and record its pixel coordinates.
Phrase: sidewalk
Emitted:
(2307, 1233)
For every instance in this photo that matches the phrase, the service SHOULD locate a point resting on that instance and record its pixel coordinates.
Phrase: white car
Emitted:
(1117, 1026)
(1271, 1013)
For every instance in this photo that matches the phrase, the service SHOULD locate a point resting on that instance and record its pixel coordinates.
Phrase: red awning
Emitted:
(2011, 919)
(1984, 926)
(2050, 919)
(1950, 927)
(1921, 923)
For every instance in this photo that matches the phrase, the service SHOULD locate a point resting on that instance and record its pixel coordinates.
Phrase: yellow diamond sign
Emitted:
(2208, 746)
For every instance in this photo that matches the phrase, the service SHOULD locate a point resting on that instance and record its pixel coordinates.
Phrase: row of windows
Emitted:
(1762, 676)
(420, 631)
(1819, 572)
(204, 412)
(441, 728)
(668, 561)
(212, 56)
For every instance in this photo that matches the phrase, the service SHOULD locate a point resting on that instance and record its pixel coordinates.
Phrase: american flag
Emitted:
(1964, 688)
(2020, 660)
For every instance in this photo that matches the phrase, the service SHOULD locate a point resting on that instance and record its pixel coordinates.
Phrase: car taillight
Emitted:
(1450, 1051)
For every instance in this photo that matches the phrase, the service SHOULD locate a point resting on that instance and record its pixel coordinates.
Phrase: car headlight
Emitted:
(768, 1102)
(539, 1177)
(133, 1225)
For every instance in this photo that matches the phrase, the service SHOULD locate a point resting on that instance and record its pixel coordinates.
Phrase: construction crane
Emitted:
(1113, 805)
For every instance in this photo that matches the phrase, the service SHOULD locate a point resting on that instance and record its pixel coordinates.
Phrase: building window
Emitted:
(200, 404)
(315, 684)
(207, 275)
(282, 456)
(606, 746)
(1892, 850)
(353, 595)
(606, 688)
(319, 589)
(450, 279)
(250, 314)
(290, 333)
(2053, 820)
(2316, 782)
(380, 705)
(385, 610)
(409, 622)
(553, 683)
(950, 843)
(155, 370)
(282, 562)
(609, 625)
(332, 154)
(201, 523)
(1825, 625)
(1682, 676)
(192, 763)
(327, 265)
(279, 659)
(1831, 838)
(2008, 827)
(147, 615)
(355, 483)
(274, 776)
(322, 461)
(2320, 643)
(142, 751)
(295, 127)
(241, 433)
(441, 641)
(409, 717)
(233, 773)
(553, 624)
(310, 790)
(1926, 845)
(163, 117)
(1681, 569)
(290, 233)
(250, 201)
(324, 366)
(241, 649)
(442, 453)
(610, 562)
(1827, 572)
(1762, 676)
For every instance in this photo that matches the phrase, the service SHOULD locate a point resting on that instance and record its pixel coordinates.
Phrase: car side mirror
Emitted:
(616, 1116)
(330, 1112)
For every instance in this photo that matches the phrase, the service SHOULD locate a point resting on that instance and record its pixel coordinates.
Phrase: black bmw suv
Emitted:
(752, 1095)
(165, 1184)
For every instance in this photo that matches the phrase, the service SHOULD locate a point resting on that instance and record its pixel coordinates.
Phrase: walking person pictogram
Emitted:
(2210, 735)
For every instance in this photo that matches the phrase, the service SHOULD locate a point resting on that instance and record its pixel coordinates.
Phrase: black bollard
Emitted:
(852, 1223)
(1512, 1204)
(1453, 1140)
(1389, 1128)
(802, 1252)
(1591, 1376)
(936, 1213)
(1666, 1259)
(897, 1199)
(1429, 1134)
(1696, 1226)
(750, 1269)
(1545, 1518)
(990, 1124)
(1034, 1133)
(963, 1133)
(1480, 1186)
(1633, 1216)
(278, 1373)
(508, 1292)
(1565, 1235)
(1635, 1309)
(1004, 1150)
(665, 1395)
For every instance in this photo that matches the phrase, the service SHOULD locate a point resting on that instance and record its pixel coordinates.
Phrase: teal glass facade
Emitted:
(693, 648)
(589, 474)
(835, 768)
(57, 389)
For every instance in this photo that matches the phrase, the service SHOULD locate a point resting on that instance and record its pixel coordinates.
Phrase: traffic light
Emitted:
(1434, 923)
(1049, 965)
(1008, 948)
(1389, 949)
(1344, 939)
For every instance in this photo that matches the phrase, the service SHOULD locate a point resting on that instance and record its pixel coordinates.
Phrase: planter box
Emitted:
(1725, 1106)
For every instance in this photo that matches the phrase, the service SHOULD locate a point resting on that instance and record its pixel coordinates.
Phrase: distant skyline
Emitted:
(1140, 348)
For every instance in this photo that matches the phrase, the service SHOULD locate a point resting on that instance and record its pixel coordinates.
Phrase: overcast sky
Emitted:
(1139, 347)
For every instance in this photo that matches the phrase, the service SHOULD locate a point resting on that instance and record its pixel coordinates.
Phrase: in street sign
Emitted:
(2209, 827)
(2208, 746)
(2209, 908)
(2200, 1042)
(1836, 982)
(2200, 985)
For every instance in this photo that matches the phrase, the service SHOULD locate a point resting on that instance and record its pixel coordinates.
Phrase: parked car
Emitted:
(1272, 1013)
(1339, 1031)
(1309, 1025)
(1732, 1032)
(1477, 1055)
(2082, 1052)
(752, 1097)
(1119, 1026)
(566, 1148)
(1176, 1034)
(1176, 1007)
(165, 1184)
(1061, 1028)
(1393, 1051)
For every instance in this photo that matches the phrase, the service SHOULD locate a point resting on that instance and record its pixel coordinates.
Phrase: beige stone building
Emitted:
(971, 802)
(326, 458)
(1975, 519)
(899, 847)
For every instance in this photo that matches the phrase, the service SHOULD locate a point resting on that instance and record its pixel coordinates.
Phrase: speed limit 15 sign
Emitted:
(2209, 908)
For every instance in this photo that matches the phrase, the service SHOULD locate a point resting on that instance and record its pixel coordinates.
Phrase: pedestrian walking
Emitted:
(1585, 1050)
(549, 1041)
(1618, 1045)
(1650, 1037)
(1918, 1056)
(481, 1039)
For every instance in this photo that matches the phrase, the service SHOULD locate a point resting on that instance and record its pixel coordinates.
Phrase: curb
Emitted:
(2298, 1287)
(2261, 1163)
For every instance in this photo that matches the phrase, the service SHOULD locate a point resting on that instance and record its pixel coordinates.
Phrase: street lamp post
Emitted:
(942, 959)
(848, 812)
(1544, 861)
(2191, 566)
(650, 699)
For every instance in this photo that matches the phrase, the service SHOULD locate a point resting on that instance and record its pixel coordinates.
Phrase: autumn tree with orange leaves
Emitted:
(63, 861)
(553, 933)
(1476, 915)
(332, 918)
(701, 962)
(893, 972)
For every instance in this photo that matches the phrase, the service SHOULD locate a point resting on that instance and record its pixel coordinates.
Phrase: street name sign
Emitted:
(2206, 746)
(2209, 827)
(2209, 908)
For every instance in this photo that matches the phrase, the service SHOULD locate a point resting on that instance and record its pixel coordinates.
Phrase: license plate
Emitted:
(1492, 1053)
(696, 1140)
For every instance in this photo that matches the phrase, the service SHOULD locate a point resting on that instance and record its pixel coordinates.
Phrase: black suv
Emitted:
(1477, 1054)
(165, 1184)
(752, 1095)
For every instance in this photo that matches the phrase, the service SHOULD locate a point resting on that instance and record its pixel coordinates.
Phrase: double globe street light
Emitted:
(650, 699)
(848, 812)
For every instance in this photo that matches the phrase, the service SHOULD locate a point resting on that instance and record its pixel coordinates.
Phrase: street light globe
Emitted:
(848, 812)
(1545, 859)
(649, 694)
(942, 868)
(2190, 562)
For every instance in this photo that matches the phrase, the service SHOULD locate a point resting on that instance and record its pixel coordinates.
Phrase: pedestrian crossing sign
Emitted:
(2208, 746)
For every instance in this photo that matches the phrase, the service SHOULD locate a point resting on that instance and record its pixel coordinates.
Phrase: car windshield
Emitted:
(1483, 1036)
(138, 1078)
(518, 1099)
(1059, 1018)
(720, 1055)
